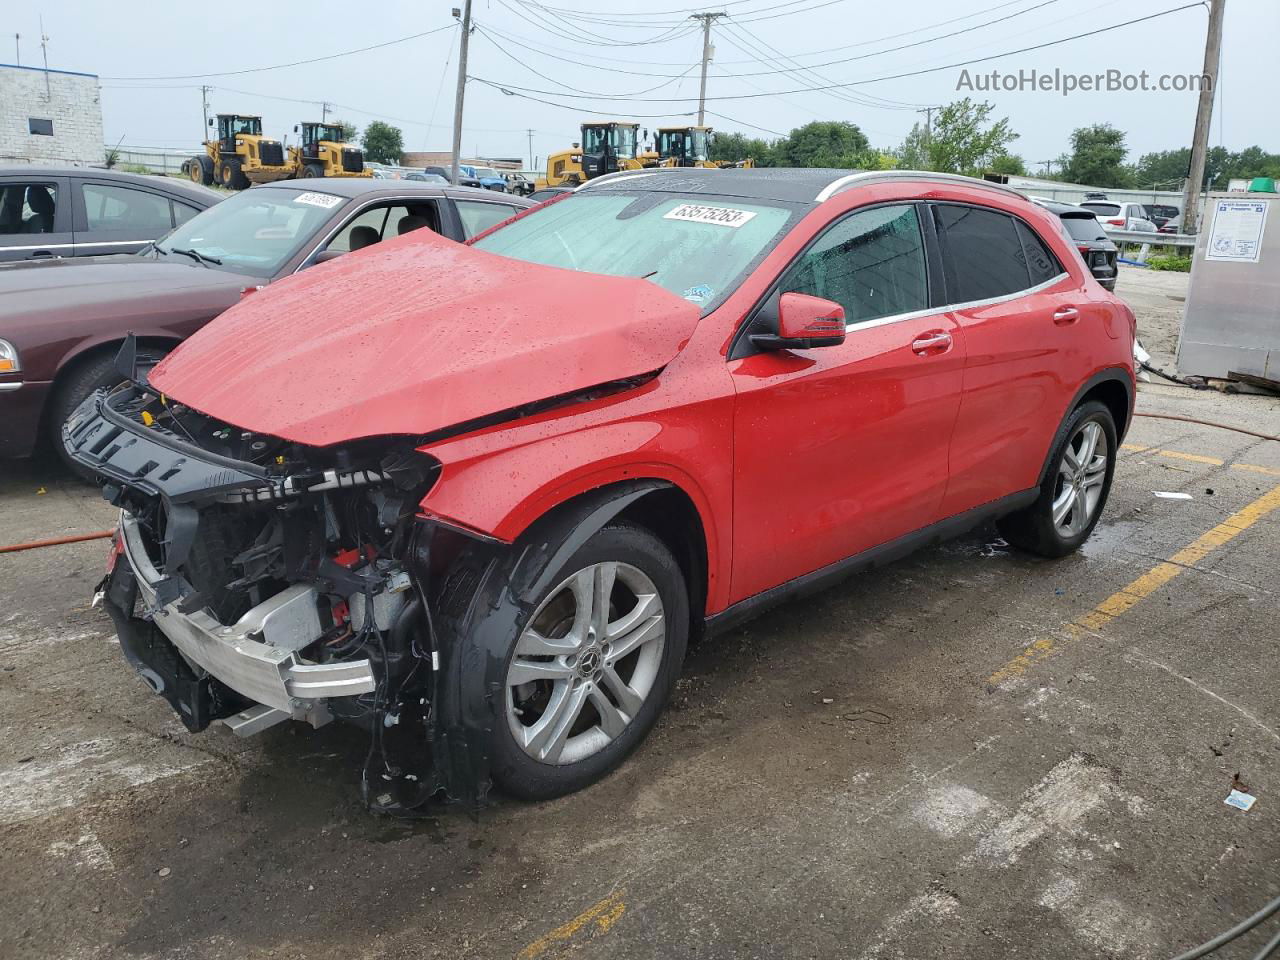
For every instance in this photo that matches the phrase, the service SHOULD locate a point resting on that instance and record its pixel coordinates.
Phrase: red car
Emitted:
(486, 499)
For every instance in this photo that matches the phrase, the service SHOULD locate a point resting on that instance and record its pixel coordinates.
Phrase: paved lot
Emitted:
(969, 754)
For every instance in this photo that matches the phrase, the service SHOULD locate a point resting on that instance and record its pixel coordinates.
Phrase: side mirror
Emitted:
(211, 121)
(804, 322)
(295, 128)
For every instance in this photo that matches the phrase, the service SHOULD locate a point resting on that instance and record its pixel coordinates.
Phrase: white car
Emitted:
(1120, 215)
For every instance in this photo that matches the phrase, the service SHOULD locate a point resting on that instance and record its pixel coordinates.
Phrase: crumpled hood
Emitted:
(416, 334)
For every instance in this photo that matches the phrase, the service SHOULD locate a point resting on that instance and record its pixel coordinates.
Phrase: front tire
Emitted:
(311, 170)
(591, 667)
(1074, 490)
(72, 389)
(231, 176)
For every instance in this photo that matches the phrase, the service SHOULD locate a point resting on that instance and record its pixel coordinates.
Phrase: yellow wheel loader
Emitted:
(605, 148)
(691, 147)
(240, 157)
(322, 153)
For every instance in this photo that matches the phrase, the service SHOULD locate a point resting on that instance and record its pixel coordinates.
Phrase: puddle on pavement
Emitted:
(1107, 538)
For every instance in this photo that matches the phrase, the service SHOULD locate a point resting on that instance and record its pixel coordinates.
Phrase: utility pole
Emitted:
(530, 132)
(462, 89)
(17, 49)
(706, 19)
(1204, 113)
(928, 131)
(324, 112)
(204, 103)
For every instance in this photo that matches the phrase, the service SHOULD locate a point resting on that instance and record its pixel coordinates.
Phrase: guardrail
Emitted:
(1152, 239)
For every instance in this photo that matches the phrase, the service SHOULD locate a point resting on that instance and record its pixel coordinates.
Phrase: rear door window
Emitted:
(28, 208)
(984, 254)
(872, 263)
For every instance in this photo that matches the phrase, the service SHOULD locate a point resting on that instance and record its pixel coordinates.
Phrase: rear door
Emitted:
(842, 448)
(35, 218)
(1019, 312)
(117, 218)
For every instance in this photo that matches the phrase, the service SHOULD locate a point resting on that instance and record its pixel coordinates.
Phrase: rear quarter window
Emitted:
(1042, 265)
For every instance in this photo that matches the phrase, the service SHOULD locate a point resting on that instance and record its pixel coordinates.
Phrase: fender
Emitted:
(155, 337)
(1119, 374)
(492, 485)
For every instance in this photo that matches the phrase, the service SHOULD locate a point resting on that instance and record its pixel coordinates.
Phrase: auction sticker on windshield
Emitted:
(701, 213)
(325, 200)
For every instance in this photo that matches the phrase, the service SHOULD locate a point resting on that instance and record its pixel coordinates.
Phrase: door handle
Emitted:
(935, 341)
(1065, 315)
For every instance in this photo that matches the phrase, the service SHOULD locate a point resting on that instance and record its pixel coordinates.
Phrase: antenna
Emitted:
(44, 50)
(17, 49)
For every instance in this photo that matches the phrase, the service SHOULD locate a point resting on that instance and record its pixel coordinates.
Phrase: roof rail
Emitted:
(889, 176)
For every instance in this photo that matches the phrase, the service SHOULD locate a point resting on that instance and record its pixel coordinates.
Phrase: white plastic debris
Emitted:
(1140, 356)
(1169, 495)
(1240, 800)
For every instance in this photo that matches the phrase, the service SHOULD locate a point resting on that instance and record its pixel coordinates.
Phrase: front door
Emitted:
(35, 218)
(839, 449)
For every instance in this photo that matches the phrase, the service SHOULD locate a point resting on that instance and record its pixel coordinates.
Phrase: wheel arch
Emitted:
(90, 351)
(1113, 387)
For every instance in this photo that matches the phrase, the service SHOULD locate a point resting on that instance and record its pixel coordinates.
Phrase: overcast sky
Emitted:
(412, 83)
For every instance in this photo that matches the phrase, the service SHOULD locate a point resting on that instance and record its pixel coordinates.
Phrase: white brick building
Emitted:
(49, 117)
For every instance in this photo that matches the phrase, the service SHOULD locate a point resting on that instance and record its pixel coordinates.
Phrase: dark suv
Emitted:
(1084, 231)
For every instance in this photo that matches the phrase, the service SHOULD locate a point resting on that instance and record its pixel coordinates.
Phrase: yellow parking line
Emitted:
(1197, 458)
(1269, 471)
(1144, 586)
(604, 914)
(1134, 447)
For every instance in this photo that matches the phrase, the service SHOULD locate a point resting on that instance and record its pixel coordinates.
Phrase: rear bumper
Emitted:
(21, 409)
(257, 655)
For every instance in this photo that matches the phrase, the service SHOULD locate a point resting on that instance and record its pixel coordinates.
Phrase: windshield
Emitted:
(697, 250)
(487, 172)
(671, 143)
(254, 232)
(332, 134)
(1103, 209)
(622, 140)
(250, 125)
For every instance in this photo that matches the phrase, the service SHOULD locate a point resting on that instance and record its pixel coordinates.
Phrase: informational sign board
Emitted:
(1236, 232)
(1232, 318)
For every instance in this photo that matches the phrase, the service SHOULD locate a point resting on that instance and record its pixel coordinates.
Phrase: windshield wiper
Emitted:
(197, 256)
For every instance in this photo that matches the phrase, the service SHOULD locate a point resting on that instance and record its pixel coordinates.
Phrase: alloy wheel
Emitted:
(585, 663)
(1082, 472)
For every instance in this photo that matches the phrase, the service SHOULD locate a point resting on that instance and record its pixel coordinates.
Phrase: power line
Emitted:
(296, 63)
(895, 76)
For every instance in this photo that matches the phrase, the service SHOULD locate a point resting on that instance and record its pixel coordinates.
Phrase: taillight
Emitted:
(1084, 251)
(1116, 223)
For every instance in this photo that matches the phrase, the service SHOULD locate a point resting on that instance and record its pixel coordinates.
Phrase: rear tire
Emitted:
(200, 170)
(643, 653)
(1075, 488)
(71, 390)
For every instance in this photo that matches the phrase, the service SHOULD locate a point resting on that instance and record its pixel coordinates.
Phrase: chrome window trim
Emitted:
(951, 307)
(11, 386)
(45, 246)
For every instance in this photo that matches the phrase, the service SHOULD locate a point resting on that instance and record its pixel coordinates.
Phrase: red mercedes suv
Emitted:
(478, 499)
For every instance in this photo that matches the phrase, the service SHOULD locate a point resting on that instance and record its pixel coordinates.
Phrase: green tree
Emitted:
(733, 147)
(383, 143)
(1010, 164)
(349, 131)
(1164, 170)
(1097, 157)
(824, 143)
(966, 140)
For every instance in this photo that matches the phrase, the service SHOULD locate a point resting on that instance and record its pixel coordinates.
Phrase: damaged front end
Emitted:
(257, 580)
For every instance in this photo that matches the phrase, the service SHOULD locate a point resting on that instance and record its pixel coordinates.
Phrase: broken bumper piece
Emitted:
(257, 655)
